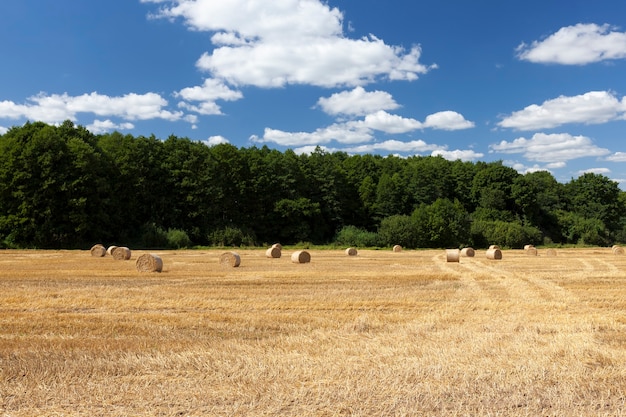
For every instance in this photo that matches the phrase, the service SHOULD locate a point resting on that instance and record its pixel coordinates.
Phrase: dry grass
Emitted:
(381, 334)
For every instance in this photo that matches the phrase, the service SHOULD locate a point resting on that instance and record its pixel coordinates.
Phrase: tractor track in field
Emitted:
(499, 281)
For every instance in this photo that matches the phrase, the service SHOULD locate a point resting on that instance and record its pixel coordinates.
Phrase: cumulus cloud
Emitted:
(357, 102)
(551, 148)
(216, 140)
(390, 123)
(463, 155)
(576, 45)
(3, 130)
(447, 120)
(589, 108)
(56, 108)
(272, 44)
(394, 146)
(207, 94)
(617, 157)
(102, 126)
(345, 133)
(599, 171)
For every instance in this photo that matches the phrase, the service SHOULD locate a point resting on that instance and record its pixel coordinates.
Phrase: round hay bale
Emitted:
(452, 255)
(149, 262)
(494, 247)
(351, 252)
(98, 251)
(277, 245)
(121, 253)
(110, 250)
(231, 259)
(468, 252)
(273, 252)
(551, 252)
(301, 257)
(494, 254)
(397, 248)
(526, 247)
(618, 250)
(532, 251)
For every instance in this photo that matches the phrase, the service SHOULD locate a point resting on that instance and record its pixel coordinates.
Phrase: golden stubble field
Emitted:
(377, 334)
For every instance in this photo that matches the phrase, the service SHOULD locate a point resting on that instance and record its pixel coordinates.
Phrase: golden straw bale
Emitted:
(273, 252)
(494, 247)
(98, 251)
(301, 257)
(149, 262)
(452, 255)
(277, 245)
(397, 248)
(351, 252)
(551, 252)
(526, 247)
(110, 250)
(230, 259)
(532, 251)
(468, 252)
(121, 253)
(618, 250)
(494, 254)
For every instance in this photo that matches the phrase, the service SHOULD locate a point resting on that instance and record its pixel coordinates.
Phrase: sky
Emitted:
(536, 84)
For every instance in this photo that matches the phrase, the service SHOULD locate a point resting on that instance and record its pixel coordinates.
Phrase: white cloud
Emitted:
(599, 171)
(463, 155)
(551, 148)
(210, 90)
(447, 120)
(339, 132)
(590, 108)
(357, 102)
(576, 45)
(3, 130)
(207, 94)
(390, 123)
(215, 140)
(309, 149)
(102, 126)
(617, 157)
(56, 108)
(361, 131)
(272, 44)
(391, 146)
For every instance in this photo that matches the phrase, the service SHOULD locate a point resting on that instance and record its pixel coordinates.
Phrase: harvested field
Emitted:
(384, 334)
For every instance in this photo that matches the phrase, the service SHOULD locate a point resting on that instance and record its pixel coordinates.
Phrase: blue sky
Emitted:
(538, 84)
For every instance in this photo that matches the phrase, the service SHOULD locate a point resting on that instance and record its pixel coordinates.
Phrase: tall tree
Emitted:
(53, 187)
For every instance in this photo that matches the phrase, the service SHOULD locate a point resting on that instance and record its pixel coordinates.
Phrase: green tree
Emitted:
(53, 187)
(595, 196)
(442, 224)
(398, 229)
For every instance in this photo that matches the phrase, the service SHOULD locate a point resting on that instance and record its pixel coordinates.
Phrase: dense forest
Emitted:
(64, 187)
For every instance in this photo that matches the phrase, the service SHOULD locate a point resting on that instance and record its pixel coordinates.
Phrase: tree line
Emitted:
(64, 187)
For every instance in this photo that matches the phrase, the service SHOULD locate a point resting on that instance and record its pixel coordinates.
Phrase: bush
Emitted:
(178, 239)
(153, 236)
(509, 234)
(231, 236)
(354, 236)
(398, 230)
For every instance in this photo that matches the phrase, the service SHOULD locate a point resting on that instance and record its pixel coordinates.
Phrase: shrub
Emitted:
(178, 239)
(509, 234)
(153, 236)
(231, 236)
(398, 230)
(354, 236)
